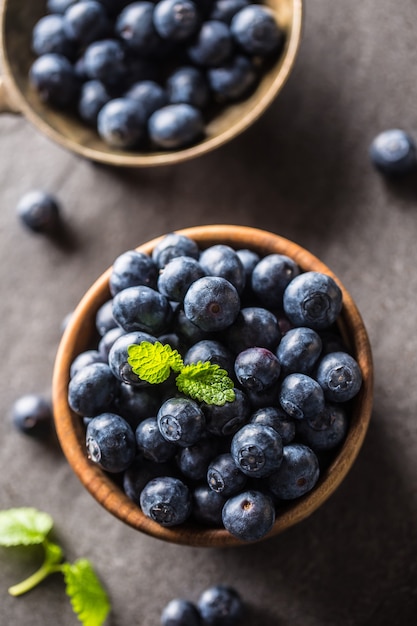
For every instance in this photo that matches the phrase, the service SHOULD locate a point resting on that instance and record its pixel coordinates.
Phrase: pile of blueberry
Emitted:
(150, 75)
(272, 328)
(219, 605)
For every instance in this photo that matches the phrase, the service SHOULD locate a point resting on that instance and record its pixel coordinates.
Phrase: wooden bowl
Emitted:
(80, 332)
(16, 94)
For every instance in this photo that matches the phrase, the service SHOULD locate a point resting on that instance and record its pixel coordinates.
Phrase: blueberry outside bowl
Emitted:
(80, 333)
(16, 95)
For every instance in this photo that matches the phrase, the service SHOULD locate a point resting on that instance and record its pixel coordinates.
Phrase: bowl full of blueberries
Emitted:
(214, 386)
(146, 83)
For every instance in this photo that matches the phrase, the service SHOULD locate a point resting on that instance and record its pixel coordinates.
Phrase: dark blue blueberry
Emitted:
(256, 30)
(173, 245)
(189, 85)
(93, 96)
(121, 123)
(301, 396)
(86, 21)
(271, 276)
(212, 303)
(151, 444)
(177, 275)
(176, 20)
(212, 46)
(329, 434)
(193, 460)
(32, 415)
(149, 94)
(299, 350)
(188, 332)
(39, 211)
(249, 260)
(393, 153)
(225, 420)
(104, 318)
(313, 299)
(222, 260)
(249, 516)
(118, 356)
(297, 474)
(104, 60)
(134, 26)
(132, 268)
(175, 126)
(257, 369)
(135, 404)
(254, 326)
(49, 35)
(53, 77)
(59, 6)
(110, 442)
(207, 506)
(257, 450)
(85, 358)
(107, 341)
(277, 419)
(92, 389)
(142, 308)
(339, 376)
(180, 612)
(139, 473)
(210, 350)
(233, 80)
(223, 475)
(224, 10)
(220, 605)
(166, 500)
(181, 421)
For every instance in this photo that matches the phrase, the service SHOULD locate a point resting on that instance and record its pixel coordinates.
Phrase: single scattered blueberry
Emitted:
(39, 211)
(393, 152)
(180, 612)
(220, 605)
(32, 415)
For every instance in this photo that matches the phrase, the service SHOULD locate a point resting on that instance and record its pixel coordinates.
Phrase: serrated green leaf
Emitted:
(206, 382)
(88, 598)
(153, 362)
(24, 526)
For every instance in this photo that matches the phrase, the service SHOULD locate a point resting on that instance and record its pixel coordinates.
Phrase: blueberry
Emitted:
(249, 516)
(212, 303)
(297, 474)
(86, 21)
(271, 276)
(221, 260)
(188, 333)
(253, 326)
(173, 245)
(301, 396)
(166, 500)
(339, 375)
(224, 10)
(176, 20)
(257, 369)
(210, 350)
(104, 320)
(118, 356)
(393, 153)
(110, 442)
(207, 505)
(181, 421)
(313, 299)
(132, 268)
(189, 85)
(107, 340)
(93, 96)
(134, 25)
(212, 46)
(223, 475)
(225, 420)
(249, 260)
(121, 123)
(32, 415)
(142, 308)
(277, 419)
(233, 80)
(149, 94)
(175, 126)
(330, 434)
(256, 30)
(257, 450)
(59, 6)
(39, 211)
(53, 77)
(177, 275)
(135, 404)
(299, 350)
(151, 444)
(139, 473)
(49, 35)
(180, 612)
(194, 460)
(87, 357)
(92, 389)
(220, 605)
(104, 60)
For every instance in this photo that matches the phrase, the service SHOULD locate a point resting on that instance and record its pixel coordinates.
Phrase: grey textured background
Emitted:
(301, 171)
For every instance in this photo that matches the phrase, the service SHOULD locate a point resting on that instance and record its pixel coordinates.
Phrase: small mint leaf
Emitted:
(153, 362)
(88, 598)
(206, 382)
(24, 526)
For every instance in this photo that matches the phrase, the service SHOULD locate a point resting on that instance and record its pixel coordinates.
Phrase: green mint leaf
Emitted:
(89, 600)
(24, 526)
(206, 382)
(153, 362)
(51, 565)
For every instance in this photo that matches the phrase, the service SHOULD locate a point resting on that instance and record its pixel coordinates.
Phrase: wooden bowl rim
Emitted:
(102, 487)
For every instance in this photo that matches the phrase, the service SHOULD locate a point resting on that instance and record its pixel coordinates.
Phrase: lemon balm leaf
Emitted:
(88, 598)
(24, 526)
(206, 382)
(153, 362)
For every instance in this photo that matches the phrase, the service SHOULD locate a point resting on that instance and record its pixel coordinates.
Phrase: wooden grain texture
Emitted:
(18, 18)
(80, 333)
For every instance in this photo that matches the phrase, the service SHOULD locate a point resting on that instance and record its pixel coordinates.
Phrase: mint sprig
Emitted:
(203, 381)
(26, 526)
